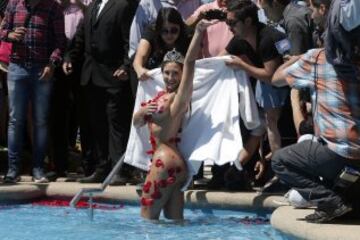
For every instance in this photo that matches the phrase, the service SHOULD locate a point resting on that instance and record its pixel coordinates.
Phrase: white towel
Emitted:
(211, 131)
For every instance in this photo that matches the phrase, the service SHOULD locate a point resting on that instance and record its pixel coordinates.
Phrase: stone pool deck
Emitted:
(290, 221)
(286, 219)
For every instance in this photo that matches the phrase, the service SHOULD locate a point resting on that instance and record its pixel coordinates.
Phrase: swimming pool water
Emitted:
(32, 222)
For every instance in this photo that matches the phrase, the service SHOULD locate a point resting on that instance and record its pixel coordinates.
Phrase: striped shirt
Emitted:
(336, 102)
(44, 40)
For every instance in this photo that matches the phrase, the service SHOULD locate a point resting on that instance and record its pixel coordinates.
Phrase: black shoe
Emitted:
(119, 181)
(326, 215)
(11, 179)
(96, 177)
(11, 176)
(133, 179)
(274, 185)
(53, 176)
(215, 183)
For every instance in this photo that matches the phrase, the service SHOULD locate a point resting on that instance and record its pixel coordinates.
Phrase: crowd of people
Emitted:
(73, 66)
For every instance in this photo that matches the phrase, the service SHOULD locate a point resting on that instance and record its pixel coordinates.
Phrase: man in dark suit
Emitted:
(102, 39)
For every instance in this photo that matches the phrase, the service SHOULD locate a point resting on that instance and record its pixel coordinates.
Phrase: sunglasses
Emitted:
(172, 30)
(231, 23)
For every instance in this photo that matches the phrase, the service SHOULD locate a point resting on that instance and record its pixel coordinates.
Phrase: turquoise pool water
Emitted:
(33, 222)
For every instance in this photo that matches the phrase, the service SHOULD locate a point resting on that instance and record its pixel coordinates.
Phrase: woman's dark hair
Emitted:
(244, 9)
(171, 15)
(317, 3)
(282, 2)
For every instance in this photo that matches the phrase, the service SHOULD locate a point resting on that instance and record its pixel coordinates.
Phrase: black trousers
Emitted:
(300, 165)
(59, 121)
(68, 112)
(110, 111)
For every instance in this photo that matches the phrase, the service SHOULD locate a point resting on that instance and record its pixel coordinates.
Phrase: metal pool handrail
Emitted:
(90, 191)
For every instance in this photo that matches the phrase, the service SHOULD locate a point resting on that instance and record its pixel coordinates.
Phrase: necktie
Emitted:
(95, 10)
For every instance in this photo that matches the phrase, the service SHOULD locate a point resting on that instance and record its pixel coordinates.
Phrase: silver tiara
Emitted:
(173, 56)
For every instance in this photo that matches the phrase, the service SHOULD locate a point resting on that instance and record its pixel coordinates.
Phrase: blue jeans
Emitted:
(25, 87)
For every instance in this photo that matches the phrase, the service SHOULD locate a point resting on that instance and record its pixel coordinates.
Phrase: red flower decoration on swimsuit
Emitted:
(152, 140)
(171, 172)
(162, 183)
(146, 187)
(150, 152)
(153, 145)
(147, 118)
(159, 163)
(159, 95)
(147, 202)
(156, 195)
(170, 180)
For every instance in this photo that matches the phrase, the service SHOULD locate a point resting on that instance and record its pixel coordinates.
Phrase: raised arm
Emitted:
(184, 92)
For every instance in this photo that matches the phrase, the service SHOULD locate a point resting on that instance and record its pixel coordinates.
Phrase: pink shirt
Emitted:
(73, 16)
(217, 36)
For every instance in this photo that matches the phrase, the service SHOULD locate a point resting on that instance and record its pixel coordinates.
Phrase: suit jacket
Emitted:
(103, 43)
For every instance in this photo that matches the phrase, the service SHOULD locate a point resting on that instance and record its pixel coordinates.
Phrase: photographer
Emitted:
(217, 36)
(334, 155)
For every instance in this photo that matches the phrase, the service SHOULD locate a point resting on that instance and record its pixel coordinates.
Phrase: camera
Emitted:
(347, 177)
(215, 14)
(283, 47)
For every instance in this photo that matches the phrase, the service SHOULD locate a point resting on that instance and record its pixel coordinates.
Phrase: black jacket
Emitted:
(103, 44)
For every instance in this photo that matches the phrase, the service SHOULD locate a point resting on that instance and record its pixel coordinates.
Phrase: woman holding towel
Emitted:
(163, 115)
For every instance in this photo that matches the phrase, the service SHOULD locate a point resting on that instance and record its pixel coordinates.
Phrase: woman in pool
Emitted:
(168, 33)
(164, 114)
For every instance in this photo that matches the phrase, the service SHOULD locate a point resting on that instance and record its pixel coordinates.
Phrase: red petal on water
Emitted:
(170, 180)
(146, 187)
(80, 204)
(171, 172)
(147, 202)
(156, 195)
(159, 163)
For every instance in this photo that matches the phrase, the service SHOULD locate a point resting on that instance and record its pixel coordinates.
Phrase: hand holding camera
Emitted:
(213, 14)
